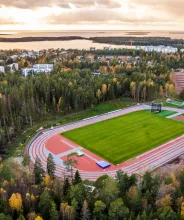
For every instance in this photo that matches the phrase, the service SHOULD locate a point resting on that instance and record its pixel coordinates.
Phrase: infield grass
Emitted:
(121, 138)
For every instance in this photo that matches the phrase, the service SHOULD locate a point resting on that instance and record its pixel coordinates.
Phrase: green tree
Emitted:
(166, 213)
(38, 171)
(78, 192)
(54, 215)
(150, 186)
(77, 178)
(181, 178)
(5, 217)
(124, 181)
(45, 204)
(99, 210)
(110, 191)
(51, 166)
(118, 210)
(66, 186)
(21, 217)
(26, 160)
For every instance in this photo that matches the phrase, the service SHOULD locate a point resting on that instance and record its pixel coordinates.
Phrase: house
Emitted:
(96, 74)
(26, 71)
(92, 48)
(80, 58)
(14, 66)
(90, 57)
(46, 68)
(107, 48)
(2, 69)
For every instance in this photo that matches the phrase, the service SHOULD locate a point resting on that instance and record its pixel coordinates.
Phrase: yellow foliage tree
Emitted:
(164, 201)
(133, 89)
(15, 202)
(38, 218)
(104, 89)
(161, 91)
(70, 84)
(98, 94)
(182, 210)
(47, 180)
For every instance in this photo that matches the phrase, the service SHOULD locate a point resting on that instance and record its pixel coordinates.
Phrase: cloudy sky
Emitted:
(92, 14)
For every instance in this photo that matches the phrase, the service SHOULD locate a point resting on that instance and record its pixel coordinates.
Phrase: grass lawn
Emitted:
(124, 137)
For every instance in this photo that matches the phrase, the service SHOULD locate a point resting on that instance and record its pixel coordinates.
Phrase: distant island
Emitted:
(30, 39)
(138, 41)
(137, 33)
(124, 40)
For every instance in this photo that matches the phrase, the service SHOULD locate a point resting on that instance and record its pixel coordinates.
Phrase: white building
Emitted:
(161, 49)
(2, 69)
(182, 50)
(38, 68)
(107, 48)
(14, 66)
(46, 68)
(92, 48)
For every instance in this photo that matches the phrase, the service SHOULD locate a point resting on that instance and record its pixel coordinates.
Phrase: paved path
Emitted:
(146, 161)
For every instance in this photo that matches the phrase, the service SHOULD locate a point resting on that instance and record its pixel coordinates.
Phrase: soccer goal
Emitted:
(156, 107)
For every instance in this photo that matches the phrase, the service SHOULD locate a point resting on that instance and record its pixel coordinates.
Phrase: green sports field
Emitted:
(124, 137)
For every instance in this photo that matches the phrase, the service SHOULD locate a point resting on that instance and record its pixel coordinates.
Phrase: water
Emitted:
(76, 44)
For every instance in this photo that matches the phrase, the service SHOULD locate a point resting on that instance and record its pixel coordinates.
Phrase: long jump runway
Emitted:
(50, 141)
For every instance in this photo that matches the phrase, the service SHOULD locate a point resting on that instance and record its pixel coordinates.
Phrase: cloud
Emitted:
(63, 4)
(170, 7)
(123, 13)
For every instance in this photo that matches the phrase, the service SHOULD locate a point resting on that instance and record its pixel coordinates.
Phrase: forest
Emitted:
(139, 41)
(34, 195)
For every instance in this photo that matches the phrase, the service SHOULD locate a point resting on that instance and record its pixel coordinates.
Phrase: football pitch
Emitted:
(121, 138)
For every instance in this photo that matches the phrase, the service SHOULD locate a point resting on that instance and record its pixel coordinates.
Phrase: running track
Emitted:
(50, 141)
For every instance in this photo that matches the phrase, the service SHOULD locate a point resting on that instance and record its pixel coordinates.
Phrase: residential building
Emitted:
(107, 48)
(92, 48)
(161, 49)
(2, 69)
(14, 66)
(38, 68)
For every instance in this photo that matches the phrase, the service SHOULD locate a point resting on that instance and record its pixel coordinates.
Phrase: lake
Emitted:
(76, 44)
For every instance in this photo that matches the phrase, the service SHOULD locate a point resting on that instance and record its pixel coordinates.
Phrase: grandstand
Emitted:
(175, 102)
(179, 81)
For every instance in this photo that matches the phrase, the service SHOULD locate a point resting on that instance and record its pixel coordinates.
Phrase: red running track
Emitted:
(51, 141)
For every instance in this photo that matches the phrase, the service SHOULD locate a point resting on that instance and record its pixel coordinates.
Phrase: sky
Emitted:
(91, 15)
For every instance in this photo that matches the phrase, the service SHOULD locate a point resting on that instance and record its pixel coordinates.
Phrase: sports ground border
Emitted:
(50, 141)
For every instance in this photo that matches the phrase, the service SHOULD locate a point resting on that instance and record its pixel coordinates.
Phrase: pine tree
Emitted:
(45, 204)
(54, 215)
(21, 217)
(51, 166)
(66, 186)
(77, 178)
(38, 171)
